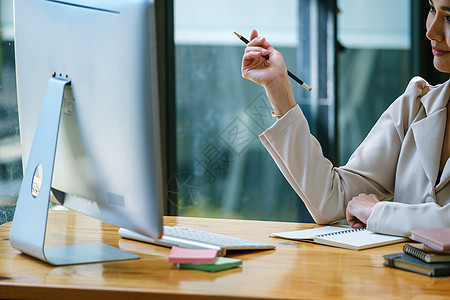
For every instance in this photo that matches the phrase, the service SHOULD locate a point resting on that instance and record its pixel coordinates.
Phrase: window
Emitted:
(223, 169)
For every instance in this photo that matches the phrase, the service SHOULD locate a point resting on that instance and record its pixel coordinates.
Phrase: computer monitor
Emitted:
(87, 87)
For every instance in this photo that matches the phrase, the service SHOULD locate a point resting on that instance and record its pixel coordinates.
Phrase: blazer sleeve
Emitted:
(326, 189)
(399, 218)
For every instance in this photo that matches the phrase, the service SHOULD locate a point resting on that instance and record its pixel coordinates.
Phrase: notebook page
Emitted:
(358, 239)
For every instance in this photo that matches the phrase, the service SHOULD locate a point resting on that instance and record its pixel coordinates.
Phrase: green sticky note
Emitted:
(221, 263)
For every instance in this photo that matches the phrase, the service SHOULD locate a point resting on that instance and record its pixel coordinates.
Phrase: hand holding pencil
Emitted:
(264, 65)
(258, 47)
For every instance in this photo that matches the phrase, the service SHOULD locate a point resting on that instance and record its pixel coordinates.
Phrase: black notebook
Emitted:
(410, 263)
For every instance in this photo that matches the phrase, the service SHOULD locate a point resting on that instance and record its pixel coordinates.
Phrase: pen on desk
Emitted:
(267, 57)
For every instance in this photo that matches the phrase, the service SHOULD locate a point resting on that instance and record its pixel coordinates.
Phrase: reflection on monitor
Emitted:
(87, 85)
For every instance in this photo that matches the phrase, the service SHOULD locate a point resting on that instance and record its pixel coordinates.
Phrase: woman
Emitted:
(404, 157)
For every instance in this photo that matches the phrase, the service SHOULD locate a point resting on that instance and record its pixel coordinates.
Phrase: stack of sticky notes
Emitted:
(201, 259)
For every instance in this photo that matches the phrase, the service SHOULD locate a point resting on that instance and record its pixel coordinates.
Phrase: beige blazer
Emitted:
(398, 159)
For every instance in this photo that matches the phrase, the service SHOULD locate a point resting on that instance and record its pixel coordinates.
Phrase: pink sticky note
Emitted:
(180, 255)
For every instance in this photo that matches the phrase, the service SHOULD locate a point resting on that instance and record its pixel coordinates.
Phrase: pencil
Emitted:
(289, 73)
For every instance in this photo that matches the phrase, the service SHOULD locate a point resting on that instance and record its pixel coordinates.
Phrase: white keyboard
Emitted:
(191, 238)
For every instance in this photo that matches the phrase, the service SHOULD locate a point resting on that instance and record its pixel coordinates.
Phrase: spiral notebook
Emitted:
(355, 239)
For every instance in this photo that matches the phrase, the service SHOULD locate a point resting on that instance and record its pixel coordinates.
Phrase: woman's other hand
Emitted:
(359, 209)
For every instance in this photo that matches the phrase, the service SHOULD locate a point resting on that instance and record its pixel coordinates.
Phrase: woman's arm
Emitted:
(399, 218)
(393, 217)
(325, 189)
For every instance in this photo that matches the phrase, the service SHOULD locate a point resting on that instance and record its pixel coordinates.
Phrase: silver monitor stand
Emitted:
(29, 226)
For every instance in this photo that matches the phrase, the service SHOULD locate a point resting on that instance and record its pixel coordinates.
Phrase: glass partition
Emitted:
(223, 168)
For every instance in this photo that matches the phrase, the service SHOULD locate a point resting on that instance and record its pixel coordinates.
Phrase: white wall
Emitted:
(380, 24)
(213, 22)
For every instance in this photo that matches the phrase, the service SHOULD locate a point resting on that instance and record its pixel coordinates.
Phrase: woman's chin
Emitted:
(441, 65)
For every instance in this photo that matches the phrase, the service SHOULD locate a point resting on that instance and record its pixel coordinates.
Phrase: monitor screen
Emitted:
(108, 156)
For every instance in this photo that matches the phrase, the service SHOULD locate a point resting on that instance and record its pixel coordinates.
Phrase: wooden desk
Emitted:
(294, 270)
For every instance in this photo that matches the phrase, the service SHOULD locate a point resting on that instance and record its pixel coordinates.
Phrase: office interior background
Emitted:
(357, 55)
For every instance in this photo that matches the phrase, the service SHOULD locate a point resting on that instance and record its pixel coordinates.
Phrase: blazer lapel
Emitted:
(428, 135)
(429, 131)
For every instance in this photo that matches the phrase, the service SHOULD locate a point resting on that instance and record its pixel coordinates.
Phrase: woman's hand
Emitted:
(270, 73)
(359, 209)
(261, 63)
